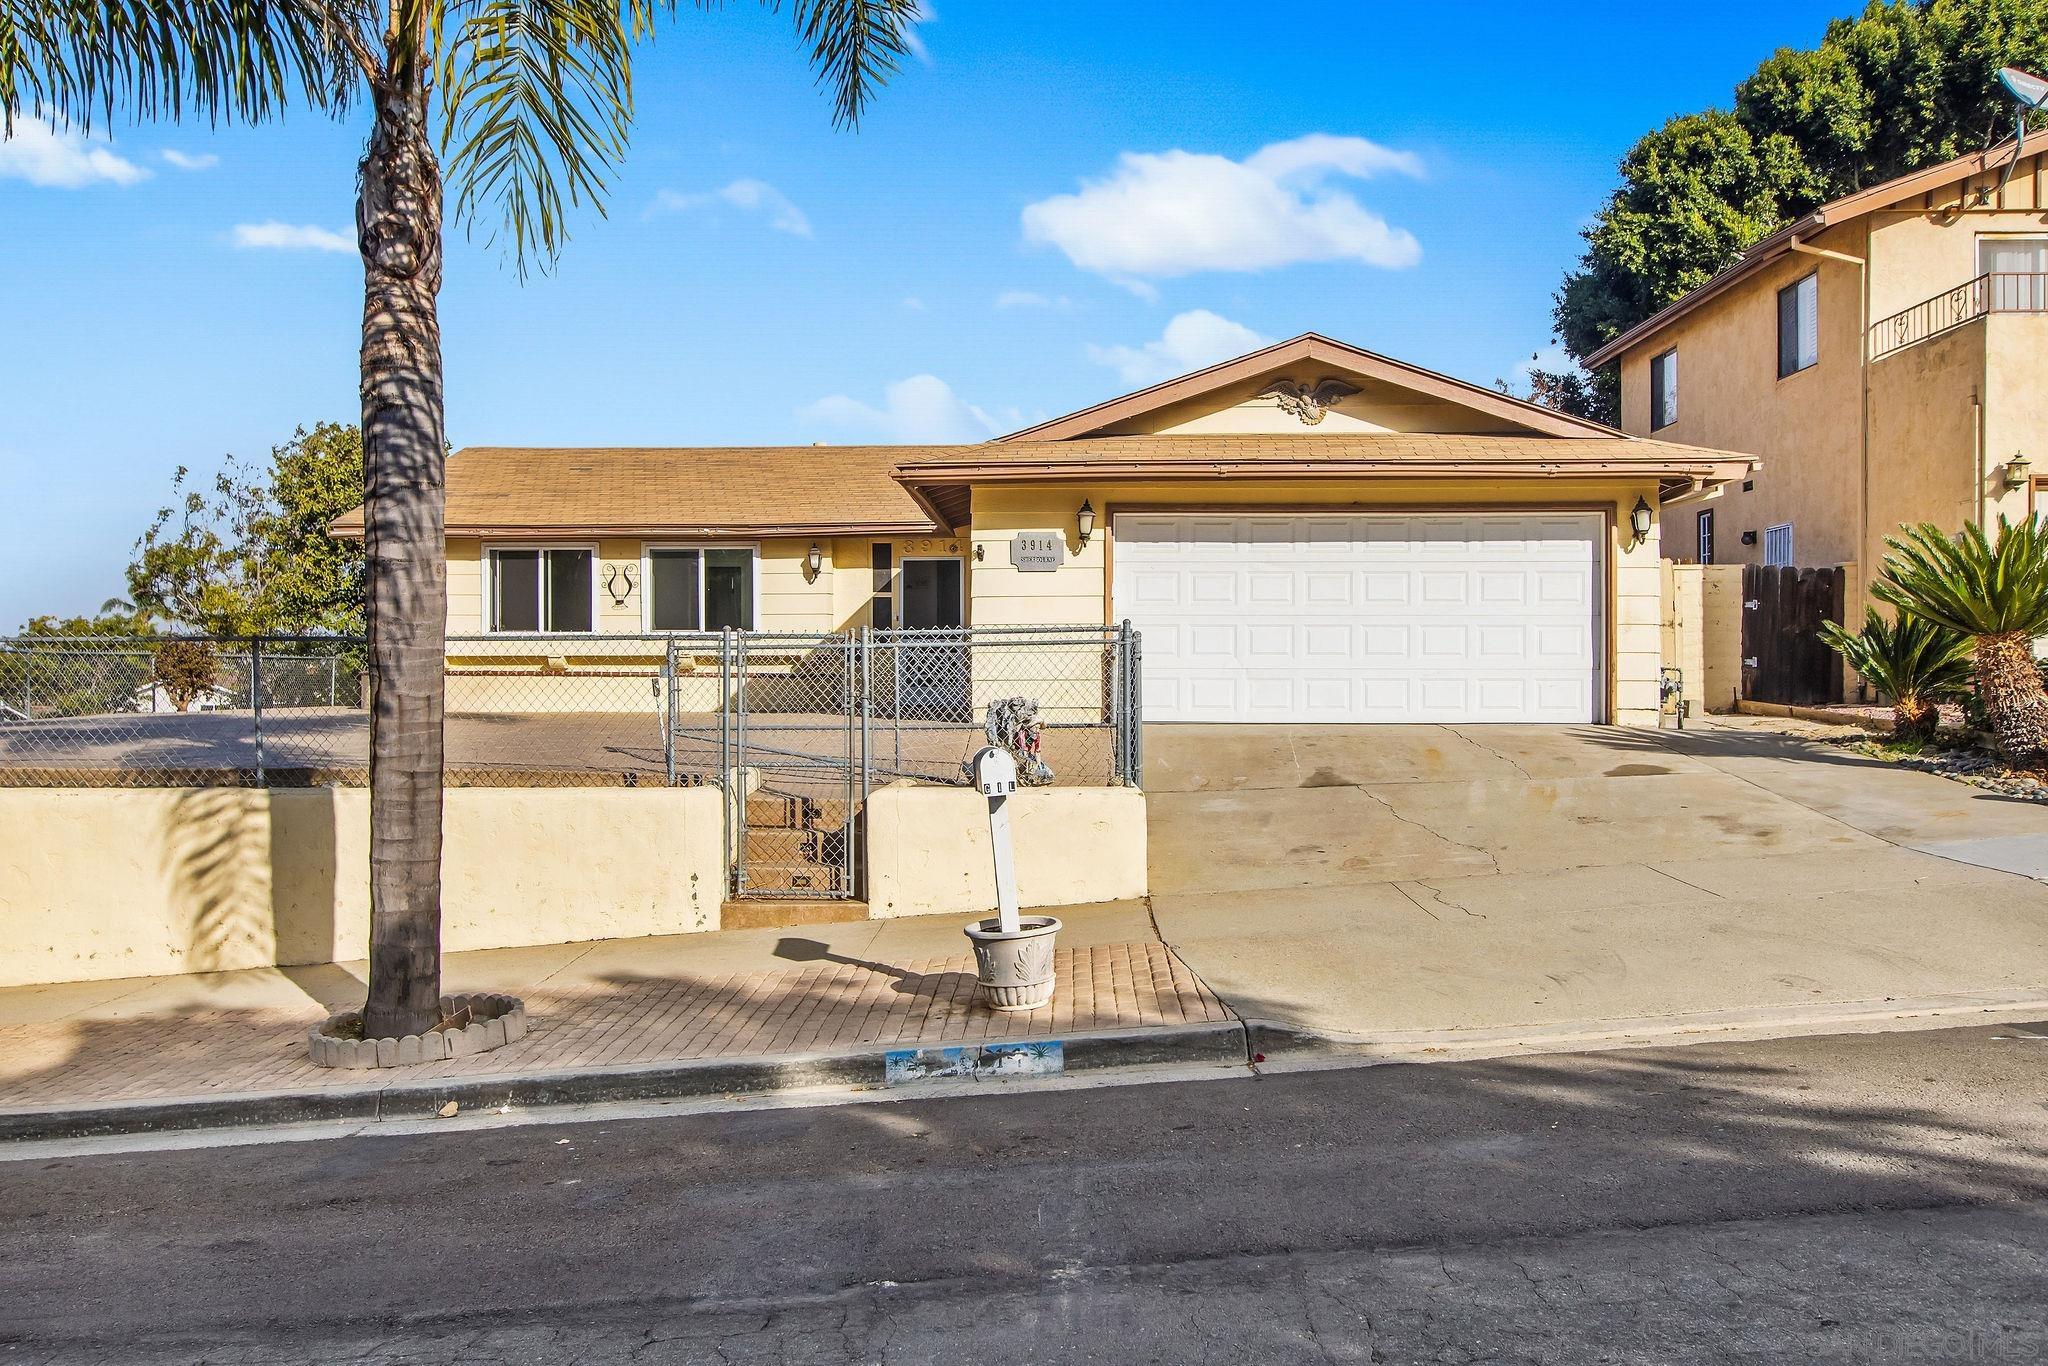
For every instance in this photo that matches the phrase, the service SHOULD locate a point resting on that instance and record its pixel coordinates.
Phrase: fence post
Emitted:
(1134, 730)
(668, 712)
(333, 678)
(865, 697)
(256, 703)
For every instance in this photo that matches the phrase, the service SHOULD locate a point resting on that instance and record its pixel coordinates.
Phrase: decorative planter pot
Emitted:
(494, 1021)
(1015, 969)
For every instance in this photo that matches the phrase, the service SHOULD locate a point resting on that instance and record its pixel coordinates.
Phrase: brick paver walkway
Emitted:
(835, 1005)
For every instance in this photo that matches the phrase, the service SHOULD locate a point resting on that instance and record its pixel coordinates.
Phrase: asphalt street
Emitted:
(1859, 1198)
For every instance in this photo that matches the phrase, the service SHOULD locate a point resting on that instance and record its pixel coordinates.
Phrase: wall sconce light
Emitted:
(1084, 521)
(2017, 471)
(1639, 520)
(814, 563)
(1749, 538)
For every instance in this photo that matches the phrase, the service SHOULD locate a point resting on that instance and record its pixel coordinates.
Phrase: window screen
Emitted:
(673, 603)
(1664, 390)
(1778, 544)
(1706, 533)
(540, 590)
(1798, 325)
(515, 576)
(701, 590)
(729, 590)
(569, 605)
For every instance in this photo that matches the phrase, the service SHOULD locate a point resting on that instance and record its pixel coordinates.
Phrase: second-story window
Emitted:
(1799, 325)
(1664, 389)
(2016, 273)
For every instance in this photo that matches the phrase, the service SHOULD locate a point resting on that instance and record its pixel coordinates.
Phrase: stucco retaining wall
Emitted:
(146, 881)
(929, 853)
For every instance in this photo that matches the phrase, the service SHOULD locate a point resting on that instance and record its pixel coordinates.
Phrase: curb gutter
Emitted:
(1274, 1044)
(1217, 1045)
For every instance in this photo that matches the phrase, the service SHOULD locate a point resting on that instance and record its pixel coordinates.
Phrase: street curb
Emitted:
(1215, 1044)
(1273, 1042)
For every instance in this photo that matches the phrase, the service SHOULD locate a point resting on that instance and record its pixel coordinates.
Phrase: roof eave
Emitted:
(1168, 471)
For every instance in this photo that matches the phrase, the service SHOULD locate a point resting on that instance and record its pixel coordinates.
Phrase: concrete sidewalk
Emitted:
(637, 1019)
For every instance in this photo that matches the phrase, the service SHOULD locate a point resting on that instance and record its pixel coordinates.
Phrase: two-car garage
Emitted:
(1430, 617)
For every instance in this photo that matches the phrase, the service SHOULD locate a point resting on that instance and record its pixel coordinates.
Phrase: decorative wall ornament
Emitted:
(1310, 403)
(621, 581)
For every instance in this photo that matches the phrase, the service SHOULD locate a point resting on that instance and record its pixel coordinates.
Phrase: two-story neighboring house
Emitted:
(1887, 358)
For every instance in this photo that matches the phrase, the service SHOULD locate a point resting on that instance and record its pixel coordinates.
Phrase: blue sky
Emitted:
(1005, 239)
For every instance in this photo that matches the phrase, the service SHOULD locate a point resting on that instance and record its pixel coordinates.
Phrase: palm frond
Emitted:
(1905, 658)
(76, 61)
(538, 98)
(856, 45)
(1967, 583)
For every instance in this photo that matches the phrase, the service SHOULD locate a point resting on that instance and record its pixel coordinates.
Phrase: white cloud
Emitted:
(190, 161)
(1191, 340)
(750, 196)
(920, 408)
(913, 40)
(275, 236)
(60, 159)
(1166, 214)
(911, 303)
(1029, 298)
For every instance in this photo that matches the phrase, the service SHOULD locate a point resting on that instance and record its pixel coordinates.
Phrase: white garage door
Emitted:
(1430, 617)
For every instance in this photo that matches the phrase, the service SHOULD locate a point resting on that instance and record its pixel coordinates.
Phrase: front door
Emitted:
(935, 686)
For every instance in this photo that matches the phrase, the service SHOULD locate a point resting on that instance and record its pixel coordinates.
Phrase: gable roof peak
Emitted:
(1319, 348)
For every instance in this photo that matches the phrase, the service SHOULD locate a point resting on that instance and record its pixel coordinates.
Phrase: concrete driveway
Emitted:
(1421, 889)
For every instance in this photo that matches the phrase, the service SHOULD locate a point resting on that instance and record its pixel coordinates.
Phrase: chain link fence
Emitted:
(798, 716)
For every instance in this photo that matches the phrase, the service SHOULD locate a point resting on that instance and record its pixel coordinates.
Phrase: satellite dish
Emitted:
(2029, 94)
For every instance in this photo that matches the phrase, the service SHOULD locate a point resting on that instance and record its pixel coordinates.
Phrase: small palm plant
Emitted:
(1914, 662)
(1996, 593)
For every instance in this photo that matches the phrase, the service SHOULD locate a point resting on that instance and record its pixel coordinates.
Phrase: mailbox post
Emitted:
(1013, 953)
(995, 773)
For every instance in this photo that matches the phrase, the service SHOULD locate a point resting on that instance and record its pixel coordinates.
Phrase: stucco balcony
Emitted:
(1953, 308)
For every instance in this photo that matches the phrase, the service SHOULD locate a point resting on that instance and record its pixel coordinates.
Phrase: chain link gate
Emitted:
(796, 767)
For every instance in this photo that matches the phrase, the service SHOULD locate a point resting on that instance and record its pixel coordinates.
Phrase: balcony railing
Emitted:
(1989, 293)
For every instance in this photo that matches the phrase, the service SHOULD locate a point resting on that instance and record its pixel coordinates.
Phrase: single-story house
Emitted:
(1307, 533)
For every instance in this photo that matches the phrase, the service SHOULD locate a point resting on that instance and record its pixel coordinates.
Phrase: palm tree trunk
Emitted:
(398, 225)
(2009, 684)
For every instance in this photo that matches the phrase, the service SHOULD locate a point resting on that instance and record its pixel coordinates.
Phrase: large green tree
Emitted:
(249, 553)
(522, 109)
(1905, 84)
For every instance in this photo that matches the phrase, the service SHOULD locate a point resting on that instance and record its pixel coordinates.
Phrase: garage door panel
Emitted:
(1365, 617)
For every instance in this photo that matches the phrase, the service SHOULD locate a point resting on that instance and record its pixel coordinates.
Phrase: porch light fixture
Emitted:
(1639, 520)
(1084, 521)
(2017, 471)
(814, 562)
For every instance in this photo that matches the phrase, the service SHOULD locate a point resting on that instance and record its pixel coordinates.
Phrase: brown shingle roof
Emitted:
(700, 490)
(824, 490)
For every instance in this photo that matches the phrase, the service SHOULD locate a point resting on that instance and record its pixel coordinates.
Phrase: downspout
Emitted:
(1862, 263)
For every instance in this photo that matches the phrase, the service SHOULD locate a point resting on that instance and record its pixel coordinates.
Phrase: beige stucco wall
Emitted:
(929, 851)
(1703, 632)
(1805, 427)
(139, 882)
(1933, 456)
(1076, 592)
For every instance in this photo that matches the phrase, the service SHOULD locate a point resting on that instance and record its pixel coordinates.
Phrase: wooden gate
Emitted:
(1783, 657)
